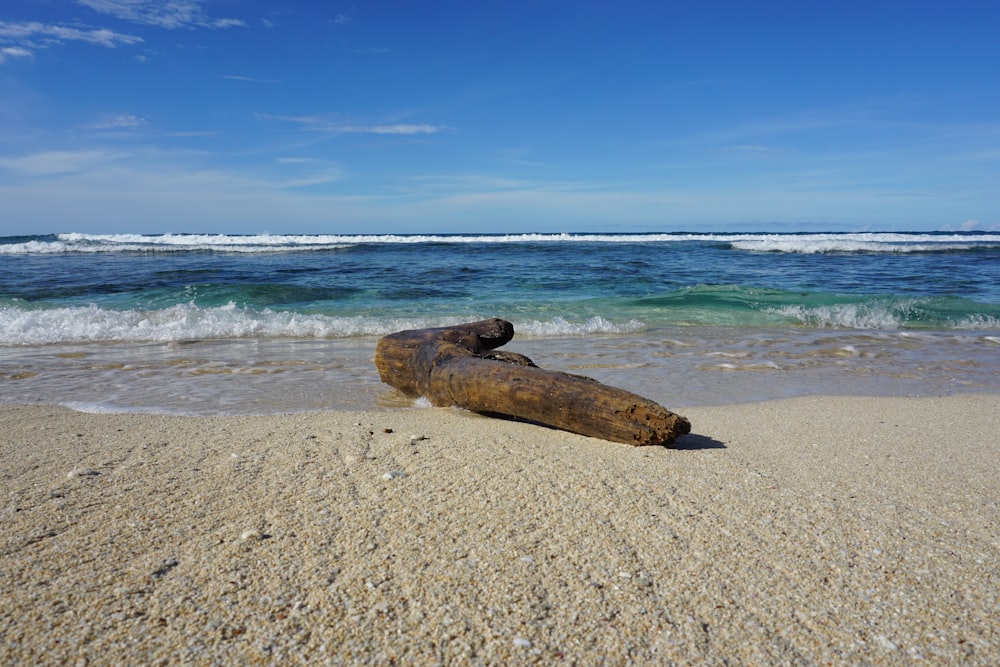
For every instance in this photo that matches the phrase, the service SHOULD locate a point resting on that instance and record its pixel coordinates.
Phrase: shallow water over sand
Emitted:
(678, 366)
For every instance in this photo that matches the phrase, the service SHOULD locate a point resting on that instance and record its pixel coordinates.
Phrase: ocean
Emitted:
(260, 324)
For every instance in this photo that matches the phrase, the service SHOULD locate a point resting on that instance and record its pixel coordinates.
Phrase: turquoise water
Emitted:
(220, 323)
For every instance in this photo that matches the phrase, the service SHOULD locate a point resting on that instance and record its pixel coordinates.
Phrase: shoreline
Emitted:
(842, 529)
(677, 368)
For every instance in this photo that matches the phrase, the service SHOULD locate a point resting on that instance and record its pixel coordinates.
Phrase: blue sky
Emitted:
(343, 117)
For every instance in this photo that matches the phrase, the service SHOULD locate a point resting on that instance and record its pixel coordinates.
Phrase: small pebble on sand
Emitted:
(393, 474)
(886, 643)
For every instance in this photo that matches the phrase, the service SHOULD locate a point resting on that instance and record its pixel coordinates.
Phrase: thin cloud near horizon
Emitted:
(320, 123)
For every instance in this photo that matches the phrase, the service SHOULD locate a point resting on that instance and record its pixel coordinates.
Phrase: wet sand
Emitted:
(815, 530)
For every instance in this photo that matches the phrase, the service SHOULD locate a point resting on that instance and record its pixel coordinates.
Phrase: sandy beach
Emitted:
(815, 530)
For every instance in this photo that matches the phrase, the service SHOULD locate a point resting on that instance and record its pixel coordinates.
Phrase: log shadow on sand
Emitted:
(693, 442)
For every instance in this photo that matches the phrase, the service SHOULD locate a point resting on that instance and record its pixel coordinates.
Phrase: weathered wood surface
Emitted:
(456, 366)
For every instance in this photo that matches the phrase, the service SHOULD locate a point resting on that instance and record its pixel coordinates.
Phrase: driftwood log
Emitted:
(456, 366)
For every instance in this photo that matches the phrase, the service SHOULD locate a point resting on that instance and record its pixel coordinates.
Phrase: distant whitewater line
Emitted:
(865, 242)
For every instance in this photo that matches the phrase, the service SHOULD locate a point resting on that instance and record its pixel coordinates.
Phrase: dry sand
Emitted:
(808, 531)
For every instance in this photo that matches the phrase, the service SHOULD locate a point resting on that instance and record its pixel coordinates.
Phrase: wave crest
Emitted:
(29, 326)
(869, 242)
(865, 243)
(737, 305)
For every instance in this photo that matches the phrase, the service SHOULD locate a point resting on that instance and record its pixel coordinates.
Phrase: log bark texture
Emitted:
(456, 366)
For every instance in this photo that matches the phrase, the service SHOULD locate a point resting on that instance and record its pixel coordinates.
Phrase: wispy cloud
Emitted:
(49, 163)
(192, 134)
(759, 149)
(13, 52)
(435, 184)
(169, 14)
(118, 121)
(397, 128)
(300, 172)
(103, 168)
(518, 155)
(248, 79)
(325, 124)
(22, 39)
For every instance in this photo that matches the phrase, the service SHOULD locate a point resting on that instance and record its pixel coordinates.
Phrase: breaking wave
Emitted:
(182, 322)
(272, 243)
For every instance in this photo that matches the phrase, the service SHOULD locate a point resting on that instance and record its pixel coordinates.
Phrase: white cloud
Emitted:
(151, 168)
(13, 52)
(461, 183)
(24, 34)
(21, 39)
(324, 124)
(118, 121)
(248, 79)
(317, 178)
(753, 148)
(192, 133)
(398, 128)
(313, 122)
(49, 163)
(169, 14)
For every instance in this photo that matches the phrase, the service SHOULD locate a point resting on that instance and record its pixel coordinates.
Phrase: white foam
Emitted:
(184, 322)
(109, 409)
(863, 242)
(979, 322)
(889, 315)
(558, 326)
(764, 365)
(137, 243)
(264, 243)
(20, 326)
(848, 316)
(187, 240)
